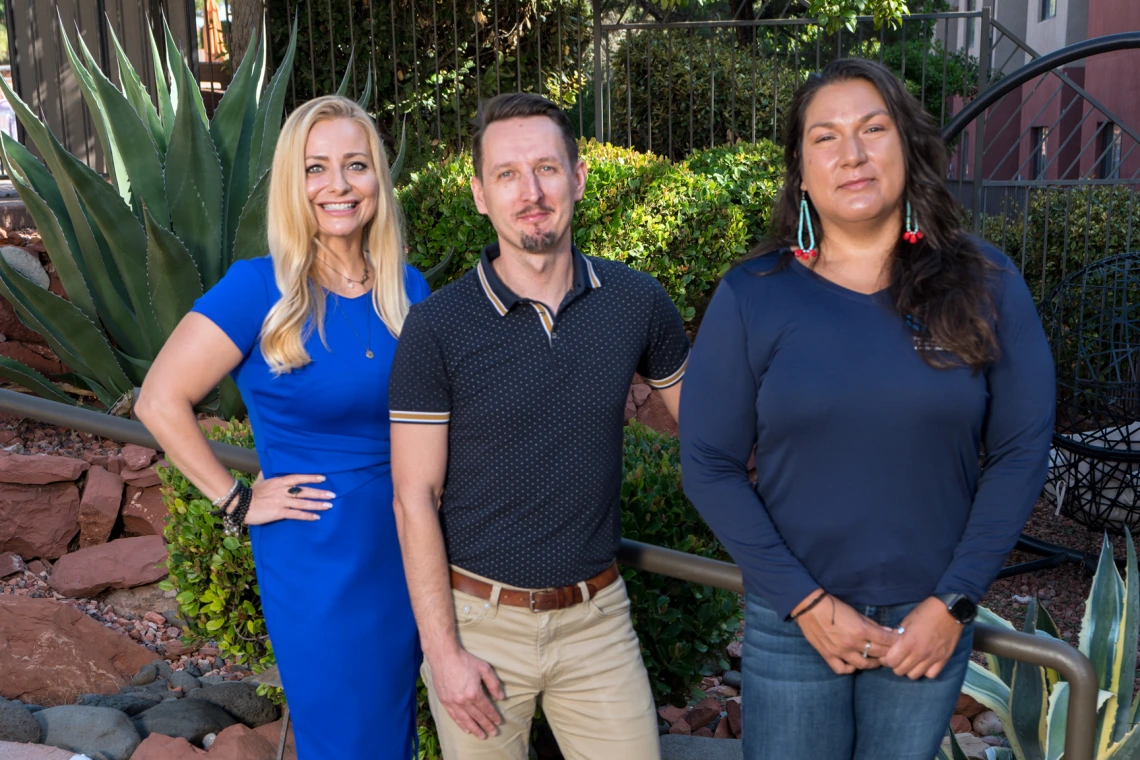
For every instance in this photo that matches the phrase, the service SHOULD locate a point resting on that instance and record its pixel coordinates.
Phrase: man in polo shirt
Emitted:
(506, 400)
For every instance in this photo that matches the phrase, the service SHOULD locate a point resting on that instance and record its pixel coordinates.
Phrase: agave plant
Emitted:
(186, 198)
(1032, 702)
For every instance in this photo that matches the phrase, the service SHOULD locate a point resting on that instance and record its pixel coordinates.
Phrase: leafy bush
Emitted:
(683, 628)
(656, 216)
(751, 173)
(1062, 229)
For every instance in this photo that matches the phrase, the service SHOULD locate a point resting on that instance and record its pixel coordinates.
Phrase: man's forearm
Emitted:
(427, 571)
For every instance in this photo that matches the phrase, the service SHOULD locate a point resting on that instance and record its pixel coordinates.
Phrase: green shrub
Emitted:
(751, 173)
(646, 211)
(1062, 229)
(683, 628)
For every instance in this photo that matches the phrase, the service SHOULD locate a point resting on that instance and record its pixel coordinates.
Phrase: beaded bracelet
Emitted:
(224, 501)
(234, 521)
(819, 598)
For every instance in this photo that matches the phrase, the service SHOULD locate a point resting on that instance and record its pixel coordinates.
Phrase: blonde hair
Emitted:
(292, 228)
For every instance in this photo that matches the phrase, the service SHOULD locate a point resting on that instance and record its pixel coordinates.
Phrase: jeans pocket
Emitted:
(612, 600)
(469, 609)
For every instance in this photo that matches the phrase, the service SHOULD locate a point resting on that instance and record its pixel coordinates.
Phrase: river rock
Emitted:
(17, 724)
(191, 719)
(89, 730)
(240, 700)
(131, 704)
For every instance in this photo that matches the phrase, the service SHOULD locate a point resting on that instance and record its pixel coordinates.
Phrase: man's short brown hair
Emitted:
(514, 105)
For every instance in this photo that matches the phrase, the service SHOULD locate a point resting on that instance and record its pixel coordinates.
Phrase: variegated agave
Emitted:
(1032, 702)
(186, 198)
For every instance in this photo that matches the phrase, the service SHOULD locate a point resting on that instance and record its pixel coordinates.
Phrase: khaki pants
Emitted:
(582, 664)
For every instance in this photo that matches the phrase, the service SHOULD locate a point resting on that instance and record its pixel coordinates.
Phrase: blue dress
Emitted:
(333, 591)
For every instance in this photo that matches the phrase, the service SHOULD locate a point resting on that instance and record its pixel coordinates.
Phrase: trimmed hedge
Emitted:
(657, 216)
(751, 173)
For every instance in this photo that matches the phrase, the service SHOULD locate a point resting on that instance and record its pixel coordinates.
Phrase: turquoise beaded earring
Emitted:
(805, 252)
(912, 234)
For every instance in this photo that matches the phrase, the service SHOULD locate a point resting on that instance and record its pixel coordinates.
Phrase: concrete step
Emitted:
(678, 747)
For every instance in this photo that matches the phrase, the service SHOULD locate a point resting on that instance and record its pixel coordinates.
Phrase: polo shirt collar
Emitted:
(503, 299)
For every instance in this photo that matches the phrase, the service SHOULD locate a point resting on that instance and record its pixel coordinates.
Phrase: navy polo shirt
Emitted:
(535, 406)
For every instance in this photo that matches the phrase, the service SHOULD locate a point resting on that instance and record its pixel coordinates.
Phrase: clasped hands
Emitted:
(919, 647)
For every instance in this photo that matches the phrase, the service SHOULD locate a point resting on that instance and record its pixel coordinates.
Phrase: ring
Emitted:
(295, 490)
(900, 630)
(866, 650)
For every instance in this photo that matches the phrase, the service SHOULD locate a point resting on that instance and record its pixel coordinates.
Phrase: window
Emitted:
(1110, 151)
(1048, 9)
(971, 24)
(1040, 151)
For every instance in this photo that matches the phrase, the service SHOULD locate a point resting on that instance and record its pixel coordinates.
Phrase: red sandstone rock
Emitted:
(640, 392)
(240, 742)
(99, 507)
(159, 747)
(681, 727)
(124, 563)
(703, 713)
(723, 691)
(705, 732)
(95, 460)
(272, 732)
(138, 457)
(39, 358)
(10, 564)
(960, 724)
(50, 653)
(723, 730)
(654, 414)
(732, 706)
(969, 707)
(115, 463)
(39, 469)
(15, 751)
(35, 567)
(144, 514)
(671, 713)
(177, 648)
(38, 521)
(141, 478)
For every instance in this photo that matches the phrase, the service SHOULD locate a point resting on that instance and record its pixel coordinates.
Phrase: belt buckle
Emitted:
(530, 595)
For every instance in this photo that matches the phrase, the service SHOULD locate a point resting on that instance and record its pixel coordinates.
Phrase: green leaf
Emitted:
(165, 103)
(1125, 658)
(989, 689)
(1100, 631)
(232, 133)
(1028, 708)
(1126, 749)
(366, 96)
(215, 624)
(231, 543)
(185, 597)
(1001, 666)
(22, 374)
(250, 240)
(172, 279)
(138, 155)
(194, 187)
(433, 274)
(137, 94)
(111, 154)
(73, 337)
(183, 85)
(346, 80)
(127, 243)
(1057, 720)
(42, 198)
(268, 124)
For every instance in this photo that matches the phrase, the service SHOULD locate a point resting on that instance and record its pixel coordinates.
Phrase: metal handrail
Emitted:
(1075, 667)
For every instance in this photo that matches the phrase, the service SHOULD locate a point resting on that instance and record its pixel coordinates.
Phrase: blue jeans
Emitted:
(796, 706)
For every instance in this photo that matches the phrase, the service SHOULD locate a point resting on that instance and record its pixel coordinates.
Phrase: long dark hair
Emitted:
(943, 282)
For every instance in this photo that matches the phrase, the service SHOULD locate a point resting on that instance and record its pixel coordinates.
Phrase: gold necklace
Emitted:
(367, 346)
(351, 282)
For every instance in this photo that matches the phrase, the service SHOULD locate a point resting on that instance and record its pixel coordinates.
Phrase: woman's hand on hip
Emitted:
(287, 498)
(847, 640)
(930, 634)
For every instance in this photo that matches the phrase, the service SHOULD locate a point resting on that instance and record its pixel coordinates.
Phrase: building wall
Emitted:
(1114, 78)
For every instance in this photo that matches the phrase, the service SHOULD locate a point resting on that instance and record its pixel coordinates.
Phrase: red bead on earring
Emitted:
(803, 255)
(911, 234)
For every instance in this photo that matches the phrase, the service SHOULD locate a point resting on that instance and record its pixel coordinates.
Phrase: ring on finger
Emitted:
(867, 650)
(294, 490)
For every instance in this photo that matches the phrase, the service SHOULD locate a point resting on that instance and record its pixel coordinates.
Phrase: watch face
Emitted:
(963, 610)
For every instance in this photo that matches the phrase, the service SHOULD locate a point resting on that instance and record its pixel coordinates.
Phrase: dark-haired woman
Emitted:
(894, 381)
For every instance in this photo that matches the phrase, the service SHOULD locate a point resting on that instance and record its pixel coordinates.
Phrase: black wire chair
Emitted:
(1092, 320)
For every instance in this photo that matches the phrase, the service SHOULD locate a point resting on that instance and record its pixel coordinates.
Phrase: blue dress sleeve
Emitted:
(238, 303)
(415, 284)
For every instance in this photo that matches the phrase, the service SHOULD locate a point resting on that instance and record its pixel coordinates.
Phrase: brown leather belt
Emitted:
(538, 600)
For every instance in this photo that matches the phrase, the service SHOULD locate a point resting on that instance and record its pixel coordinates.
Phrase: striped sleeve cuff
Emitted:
(421, 418)
(672, 379)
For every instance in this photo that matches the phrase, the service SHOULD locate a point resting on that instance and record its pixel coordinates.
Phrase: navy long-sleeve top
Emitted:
(870, 481)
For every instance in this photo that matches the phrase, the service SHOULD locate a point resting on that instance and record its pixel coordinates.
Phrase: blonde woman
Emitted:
(308, 333)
